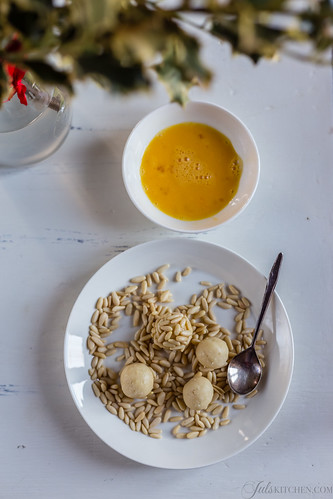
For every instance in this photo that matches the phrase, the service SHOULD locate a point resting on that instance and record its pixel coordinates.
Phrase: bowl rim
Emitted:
(165, 224)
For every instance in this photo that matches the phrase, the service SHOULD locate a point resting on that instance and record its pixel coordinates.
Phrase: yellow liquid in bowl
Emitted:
(190, 171)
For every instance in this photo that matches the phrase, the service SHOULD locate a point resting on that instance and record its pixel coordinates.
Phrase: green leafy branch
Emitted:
(118, 43)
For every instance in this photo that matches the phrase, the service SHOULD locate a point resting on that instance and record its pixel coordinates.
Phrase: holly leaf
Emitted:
(116, 42)
(108, 71)
(181, 67)
(253, 47)
(29, 18)
(46, 73)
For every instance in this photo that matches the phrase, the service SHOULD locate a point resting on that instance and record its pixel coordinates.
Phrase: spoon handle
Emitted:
(270, 286)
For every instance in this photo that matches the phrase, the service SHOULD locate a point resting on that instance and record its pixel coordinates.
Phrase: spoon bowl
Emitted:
(244, 370)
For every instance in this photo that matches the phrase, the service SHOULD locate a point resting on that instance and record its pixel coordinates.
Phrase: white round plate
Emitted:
(210, 263)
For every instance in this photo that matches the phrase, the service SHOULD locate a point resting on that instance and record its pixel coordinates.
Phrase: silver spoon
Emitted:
(244, 370)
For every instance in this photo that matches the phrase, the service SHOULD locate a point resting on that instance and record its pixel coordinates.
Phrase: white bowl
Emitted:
(201, 112)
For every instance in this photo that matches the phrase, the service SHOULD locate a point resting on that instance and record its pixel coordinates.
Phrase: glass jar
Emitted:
(31, 133)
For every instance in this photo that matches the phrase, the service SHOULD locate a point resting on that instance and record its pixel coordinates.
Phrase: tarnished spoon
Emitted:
(244, 370)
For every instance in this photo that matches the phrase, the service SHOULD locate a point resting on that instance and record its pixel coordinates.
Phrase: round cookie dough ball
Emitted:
(212, 352)
(136, 380)
(198, 393)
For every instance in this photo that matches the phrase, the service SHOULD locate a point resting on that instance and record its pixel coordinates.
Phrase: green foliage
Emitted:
(118, 42)
(181, 67)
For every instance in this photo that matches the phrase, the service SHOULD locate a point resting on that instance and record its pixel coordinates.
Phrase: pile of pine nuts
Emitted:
(147, 301)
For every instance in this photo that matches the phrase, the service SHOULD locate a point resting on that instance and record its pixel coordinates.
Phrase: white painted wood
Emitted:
(63, 218)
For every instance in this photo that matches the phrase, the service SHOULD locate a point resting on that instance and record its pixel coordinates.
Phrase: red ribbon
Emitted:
(18, 87)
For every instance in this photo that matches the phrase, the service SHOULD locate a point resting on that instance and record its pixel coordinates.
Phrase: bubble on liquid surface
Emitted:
(187, 168)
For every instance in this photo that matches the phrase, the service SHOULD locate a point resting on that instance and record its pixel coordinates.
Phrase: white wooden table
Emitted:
(63, 218)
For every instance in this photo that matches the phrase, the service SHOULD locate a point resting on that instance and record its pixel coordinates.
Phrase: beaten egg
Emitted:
(190, 171)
